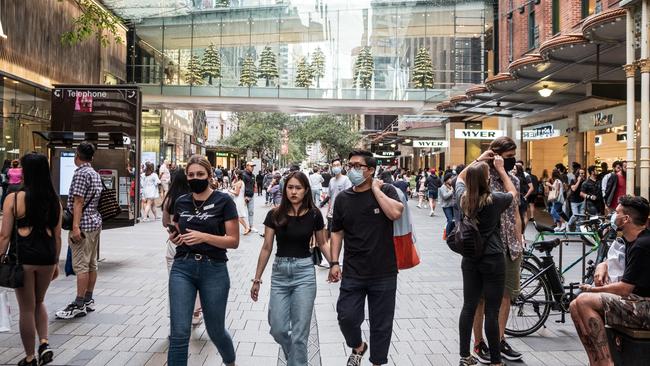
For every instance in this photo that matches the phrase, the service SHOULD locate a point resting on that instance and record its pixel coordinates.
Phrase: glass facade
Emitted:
(453, 33)
(25, 109)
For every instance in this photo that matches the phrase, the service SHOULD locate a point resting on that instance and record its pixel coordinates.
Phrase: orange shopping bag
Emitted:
(405, 251)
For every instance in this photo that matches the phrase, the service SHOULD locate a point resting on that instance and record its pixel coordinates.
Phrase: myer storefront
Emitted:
(546, 145)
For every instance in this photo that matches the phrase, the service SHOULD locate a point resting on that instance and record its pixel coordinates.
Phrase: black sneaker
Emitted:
(355, 358)
(24, 362)
(45, 354)
(508, 353)
(72, 311)
(467, 361)
(482, 353)
(90, 305)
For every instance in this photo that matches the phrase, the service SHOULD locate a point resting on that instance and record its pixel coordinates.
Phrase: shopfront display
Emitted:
(605, 134)
(546, 145)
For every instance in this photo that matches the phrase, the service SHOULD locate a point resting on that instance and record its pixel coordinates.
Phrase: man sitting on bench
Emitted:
(625, 303)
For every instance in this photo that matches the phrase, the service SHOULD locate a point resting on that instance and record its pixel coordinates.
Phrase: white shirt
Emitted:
(337, 185)
(316, 182)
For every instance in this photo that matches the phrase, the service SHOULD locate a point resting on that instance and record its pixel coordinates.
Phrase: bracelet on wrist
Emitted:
(256, 281)
(334, 264)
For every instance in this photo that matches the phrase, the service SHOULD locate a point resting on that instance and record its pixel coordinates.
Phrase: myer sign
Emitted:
(430, 143)
(478, 134)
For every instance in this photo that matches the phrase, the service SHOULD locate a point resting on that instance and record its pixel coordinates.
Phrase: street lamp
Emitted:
(545, 91)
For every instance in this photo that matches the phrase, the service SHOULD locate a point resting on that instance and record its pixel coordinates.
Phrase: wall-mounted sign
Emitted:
(602, 119)
(544, 130)
(478, 134)
(431, 143)
(222, 154)
(598, 140)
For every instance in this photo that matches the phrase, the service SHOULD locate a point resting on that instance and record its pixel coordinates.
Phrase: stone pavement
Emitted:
(130, 325)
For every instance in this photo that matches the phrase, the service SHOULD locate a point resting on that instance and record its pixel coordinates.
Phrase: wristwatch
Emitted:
(334, 264)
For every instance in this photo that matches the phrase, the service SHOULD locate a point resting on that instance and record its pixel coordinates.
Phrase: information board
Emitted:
(66, 171)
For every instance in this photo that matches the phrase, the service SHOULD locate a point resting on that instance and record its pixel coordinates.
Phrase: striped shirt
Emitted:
(86, 183)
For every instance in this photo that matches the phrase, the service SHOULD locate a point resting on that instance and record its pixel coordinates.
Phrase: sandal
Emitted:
(246, 232)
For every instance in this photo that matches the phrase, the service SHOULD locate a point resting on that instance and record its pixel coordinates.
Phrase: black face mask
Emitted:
(509, 163)
(198, 185)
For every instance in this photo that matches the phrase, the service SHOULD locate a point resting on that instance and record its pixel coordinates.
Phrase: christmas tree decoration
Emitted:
(304, 74)
(193, 74)
(318, 65)
(422, 70)
(211, 63)
(268, 65)
(248, 73)
(364, 69)
(222, 3)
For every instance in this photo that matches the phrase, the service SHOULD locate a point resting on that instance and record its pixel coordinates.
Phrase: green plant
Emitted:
(193, 74)
(96, 20)
(364, 69)
(211, 63)
(422, 70)
(304, 74)
(248, 71)
(268, 65)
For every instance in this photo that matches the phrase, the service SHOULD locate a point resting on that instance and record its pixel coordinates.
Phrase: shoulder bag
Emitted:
(108, 206)
(11, 270)
(67, 218)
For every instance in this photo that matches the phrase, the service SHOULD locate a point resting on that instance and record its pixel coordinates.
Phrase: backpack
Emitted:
(465, 239)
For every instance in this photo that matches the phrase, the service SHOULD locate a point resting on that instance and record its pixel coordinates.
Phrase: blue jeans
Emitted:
(449, 214)
(250, 206)
(210, 278)
(556, 208)
(316, 196)
(576, 208)
(293, 292)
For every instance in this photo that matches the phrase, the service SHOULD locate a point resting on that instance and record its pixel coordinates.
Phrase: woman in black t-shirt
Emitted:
(484, 276)
(293, 280)
(205, 226)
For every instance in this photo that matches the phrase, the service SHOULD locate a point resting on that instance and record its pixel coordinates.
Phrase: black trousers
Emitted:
(381, 307)
(483, 277)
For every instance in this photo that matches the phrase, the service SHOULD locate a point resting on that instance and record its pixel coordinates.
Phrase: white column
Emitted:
(630, 69)
(644, 64)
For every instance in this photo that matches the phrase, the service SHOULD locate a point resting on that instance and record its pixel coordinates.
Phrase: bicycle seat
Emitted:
(541, 228)
(546, 246)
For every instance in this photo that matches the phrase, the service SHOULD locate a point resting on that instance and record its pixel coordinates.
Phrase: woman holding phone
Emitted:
(205, 227)
(293, 279)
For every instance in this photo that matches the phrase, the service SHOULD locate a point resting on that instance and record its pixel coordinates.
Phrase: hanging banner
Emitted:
(431, 143)
(478, 134)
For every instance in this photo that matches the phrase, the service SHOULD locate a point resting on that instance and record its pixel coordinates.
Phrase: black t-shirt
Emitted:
(367, 232)
(637, 270)
(575, 195)
(403, 185)
(211, 218)
(590, 187)
(489, 218)
(294, 237)
(326, 179)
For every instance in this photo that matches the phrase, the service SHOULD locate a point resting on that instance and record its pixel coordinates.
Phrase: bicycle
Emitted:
(542, 289)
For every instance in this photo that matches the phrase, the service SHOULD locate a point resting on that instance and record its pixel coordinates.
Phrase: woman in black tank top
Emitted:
(36, 240)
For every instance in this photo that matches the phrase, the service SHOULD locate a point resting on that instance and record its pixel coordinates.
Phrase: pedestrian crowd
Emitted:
(487, 206)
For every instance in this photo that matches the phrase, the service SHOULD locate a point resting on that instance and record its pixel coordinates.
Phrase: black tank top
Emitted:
(37, 248)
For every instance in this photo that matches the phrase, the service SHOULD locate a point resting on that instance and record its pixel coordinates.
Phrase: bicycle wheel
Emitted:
(528, 270)
(532, 307)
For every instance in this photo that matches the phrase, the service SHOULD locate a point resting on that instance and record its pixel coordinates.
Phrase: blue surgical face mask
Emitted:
(336, 170)
(356, 177)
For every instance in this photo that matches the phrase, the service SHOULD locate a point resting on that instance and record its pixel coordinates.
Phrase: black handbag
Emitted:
(11, 270)
(67, 217)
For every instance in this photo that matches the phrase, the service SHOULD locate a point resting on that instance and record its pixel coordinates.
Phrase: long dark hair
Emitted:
(281, 213)
(177, 188)
(477, 189)
(42, 205)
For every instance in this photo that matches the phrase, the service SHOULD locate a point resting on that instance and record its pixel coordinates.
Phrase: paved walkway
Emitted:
(130, 325)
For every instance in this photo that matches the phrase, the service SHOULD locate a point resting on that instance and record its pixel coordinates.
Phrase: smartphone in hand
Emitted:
(172, 229)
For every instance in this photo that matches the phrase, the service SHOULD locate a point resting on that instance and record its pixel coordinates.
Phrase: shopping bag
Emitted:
(69, 271)
(5, 314)
(405, 252)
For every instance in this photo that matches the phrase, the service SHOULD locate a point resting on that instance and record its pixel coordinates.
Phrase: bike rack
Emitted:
(564, 239)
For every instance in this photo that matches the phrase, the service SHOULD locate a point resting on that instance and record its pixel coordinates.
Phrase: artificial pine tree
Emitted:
(422, 70)
(268, 65)
(211, 63)
(193, 75)
(304, 74)
(248, 72)
(364, 68)
(318, 65)
(222, 3)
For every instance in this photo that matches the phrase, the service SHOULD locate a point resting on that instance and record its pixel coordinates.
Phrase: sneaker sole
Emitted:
(511, 358)
(46, 357)
(480, 360)
(78, 315)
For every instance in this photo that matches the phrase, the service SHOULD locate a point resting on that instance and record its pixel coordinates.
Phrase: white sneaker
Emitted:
(431, 214)
(72, 311)
(418, 206)
(254, 230)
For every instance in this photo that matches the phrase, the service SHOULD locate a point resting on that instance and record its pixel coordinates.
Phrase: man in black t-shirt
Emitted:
(592, 193)
(625, 303)
(363, 216)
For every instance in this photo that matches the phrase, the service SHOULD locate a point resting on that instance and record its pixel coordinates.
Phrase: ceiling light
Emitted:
(392, 145)
(381, 144)
(545, 92)
(407, 141)
(498, 108)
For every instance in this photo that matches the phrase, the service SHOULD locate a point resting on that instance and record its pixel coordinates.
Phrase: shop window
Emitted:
(590, 7)
(556, 17)
(533, 31)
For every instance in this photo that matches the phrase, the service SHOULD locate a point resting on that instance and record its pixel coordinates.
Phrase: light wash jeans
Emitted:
(210, 278)
(576, 208)
(316, 196)
(293, 291)
(251, 208)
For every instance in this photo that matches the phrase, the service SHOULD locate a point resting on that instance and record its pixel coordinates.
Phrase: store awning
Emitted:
(569, 65)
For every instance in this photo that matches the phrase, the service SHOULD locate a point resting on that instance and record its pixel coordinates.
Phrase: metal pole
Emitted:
(630, 69)
(645, 104)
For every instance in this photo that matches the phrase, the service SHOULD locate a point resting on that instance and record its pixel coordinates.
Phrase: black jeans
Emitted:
(483, 277)
(381, 308)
